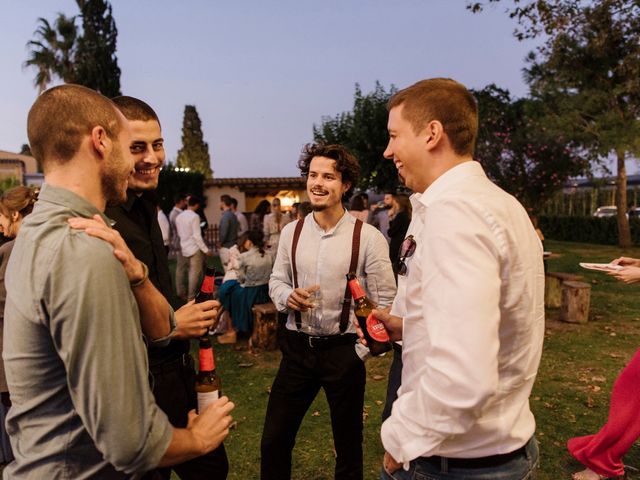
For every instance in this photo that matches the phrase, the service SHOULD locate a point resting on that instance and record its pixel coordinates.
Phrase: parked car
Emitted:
(606, 211)
(634, 212)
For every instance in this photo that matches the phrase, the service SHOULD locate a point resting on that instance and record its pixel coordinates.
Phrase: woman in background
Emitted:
(400, 215)
(15, 204)
(273, 225)
(251, 287)
(257, 217)
(602, 453)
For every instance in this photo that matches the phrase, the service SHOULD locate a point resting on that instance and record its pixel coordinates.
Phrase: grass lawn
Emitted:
(571, 395)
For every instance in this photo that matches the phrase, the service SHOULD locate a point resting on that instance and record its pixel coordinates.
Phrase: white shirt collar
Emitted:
(443, 182)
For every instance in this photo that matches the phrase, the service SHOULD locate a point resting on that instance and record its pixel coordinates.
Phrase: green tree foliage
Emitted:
(52, 53)
(194, 153)
(364, 131)
(96, 63)
(173, 182)
(60, 52)
(587, 74)
(519, 152)
(8, 182)
(25, 149)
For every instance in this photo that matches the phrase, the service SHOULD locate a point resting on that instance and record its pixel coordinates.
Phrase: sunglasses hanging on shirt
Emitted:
(407, 249)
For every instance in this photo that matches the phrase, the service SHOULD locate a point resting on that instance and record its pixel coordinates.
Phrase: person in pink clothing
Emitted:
(602, 453)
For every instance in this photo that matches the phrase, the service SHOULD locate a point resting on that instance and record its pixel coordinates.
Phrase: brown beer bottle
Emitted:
(373, 329)
(207, 290)
(207, 382)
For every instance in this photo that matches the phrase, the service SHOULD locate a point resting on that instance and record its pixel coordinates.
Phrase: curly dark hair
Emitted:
(346, 163)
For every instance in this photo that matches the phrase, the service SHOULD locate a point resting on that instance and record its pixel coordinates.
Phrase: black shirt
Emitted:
(137, 222)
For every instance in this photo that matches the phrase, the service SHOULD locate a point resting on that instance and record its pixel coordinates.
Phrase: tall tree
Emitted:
(363, 130)
(519, 152)
(587, 74)
(96, 64)
(52, 53)
(194, 153)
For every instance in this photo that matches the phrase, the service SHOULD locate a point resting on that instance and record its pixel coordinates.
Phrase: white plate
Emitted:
(603, 267)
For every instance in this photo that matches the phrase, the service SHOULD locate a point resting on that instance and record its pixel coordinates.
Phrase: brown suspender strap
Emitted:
(355, 252)
(294, 247)
(353, 266)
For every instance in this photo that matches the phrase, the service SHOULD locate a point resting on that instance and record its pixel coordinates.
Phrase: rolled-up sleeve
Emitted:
(381, 284)
(95, 328)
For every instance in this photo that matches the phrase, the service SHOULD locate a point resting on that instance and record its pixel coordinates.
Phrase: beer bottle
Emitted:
(208, 292)
(373, 329)
(207, 381)
(208, 286)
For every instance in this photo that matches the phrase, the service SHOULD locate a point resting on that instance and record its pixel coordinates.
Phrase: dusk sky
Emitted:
(261, 73)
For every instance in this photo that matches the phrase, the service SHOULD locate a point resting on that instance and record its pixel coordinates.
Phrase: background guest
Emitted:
(602, 452)
(358, 208)
(15, 204)
(273, 225)
(257, 217)
(252, 286)
(400, 214)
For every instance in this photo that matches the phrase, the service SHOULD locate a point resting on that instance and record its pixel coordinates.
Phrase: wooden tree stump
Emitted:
(576, 297)
(553, 287)
(265, 327)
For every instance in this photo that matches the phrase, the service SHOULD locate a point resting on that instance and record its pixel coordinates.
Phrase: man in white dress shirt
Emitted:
(192, 245)
(469, 307)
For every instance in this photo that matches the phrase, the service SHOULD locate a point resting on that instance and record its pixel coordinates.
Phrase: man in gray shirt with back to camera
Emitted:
(74, 353)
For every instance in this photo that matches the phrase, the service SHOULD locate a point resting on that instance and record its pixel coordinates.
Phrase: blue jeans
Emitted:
(522, 467)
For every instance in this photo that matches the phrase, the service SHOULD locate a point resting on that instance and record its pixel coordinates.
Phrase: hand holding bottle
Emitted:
(392, 323)
(211, 427)
(194, 319)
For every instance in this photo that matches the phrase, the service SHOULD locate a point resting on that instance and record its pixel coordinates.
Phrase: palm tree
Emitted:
(53, 51)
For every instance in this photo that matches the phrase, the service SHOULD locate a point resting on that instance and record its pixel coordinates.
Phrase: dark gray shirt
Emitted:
(228, 229)
(74, 355)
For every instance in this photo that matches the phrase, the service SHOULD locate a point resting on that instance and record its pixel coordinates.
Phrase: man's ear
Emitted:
(345, 187)
(100, 141)
(433, 134)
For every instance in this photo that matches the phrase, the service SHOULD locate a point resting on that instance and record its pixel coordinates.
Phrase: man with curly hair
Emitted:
(319, 348)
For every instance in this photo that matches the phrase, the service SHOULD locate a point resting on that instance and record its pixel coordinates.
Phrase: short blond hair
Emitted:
(445, 100)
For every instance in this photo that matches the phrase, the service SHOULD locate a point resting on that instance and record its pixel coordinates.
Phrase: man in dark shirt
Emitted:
(228, 232)
(171, 367)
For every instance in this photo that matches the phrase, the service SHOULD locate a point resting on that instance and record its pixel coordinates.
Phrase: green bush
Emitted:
(602, 231)
(173, 182)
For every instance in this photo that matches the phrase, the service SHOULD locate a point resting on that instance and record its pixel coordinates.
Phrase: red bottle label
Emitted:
(206, 360)
(207, 285)
(356, 289)
(376, 329)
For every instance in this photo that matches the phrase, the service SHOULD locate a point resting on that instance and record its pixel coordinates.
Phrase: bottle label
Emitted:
(356, 289)
(207, 398)
(206, 360)
(376, 329)
(207, 285)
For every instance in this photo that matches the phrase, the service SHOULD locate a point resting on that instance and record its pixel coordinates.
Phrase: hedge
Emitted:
(603, 231)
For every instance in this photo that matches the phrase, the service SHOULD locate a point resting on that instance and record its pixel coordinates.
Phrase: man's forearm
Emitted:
(183, 447)
(154, 310)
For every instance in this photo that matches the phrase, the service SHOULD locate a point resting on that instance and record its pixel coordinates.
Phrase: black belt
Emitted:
(172, 364)
(322, 342)
(397, 347)
(482, 462)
